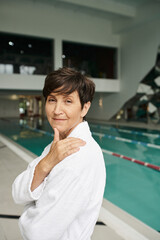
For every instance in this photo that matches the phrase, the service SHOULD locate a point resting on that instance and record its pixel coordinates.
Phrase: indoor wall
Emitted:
(139, 45)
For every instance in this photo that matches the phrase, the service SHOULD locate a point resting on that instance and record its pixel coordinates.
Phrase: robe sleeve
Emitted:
(21, 188)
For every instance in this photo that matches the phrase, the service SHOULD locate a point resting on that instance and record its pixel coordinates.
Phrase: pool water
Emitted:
(132, 187)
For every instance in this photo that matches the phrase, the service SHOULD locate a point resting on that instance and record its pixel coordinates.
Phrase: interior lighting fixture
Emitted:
(101, 102)
(28, 103)
(21, 52)
(63, 56)
(14, 97)
(30, 45)
(11, 43)
(118, 117)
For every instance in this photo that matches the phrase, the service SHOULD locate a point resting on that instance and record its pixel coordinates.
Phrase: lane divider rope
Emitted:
(127, 131)
(146, 164)
(126, 140)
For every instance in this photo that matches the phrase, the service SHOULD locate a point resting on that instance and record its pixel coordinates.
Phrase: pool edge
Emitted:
(124, 224)
(22, 152)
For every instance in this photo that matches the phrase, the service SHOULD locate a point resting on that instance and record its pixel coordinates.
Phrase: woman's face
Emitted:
(64, 112)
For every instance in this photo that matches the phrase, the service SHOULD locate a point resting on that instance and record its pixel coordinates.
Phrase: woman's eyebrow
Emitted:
(51, 95)
(67, 96)
(64, 95)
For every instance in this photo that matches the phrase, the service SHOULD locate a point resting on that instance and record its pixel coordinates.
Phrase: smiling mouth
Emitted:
(59, 119)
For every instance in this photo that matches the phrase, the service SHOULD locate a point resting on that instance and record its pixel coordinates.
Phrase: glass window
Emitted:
(95, 61)
(29, 55)
(6, 68)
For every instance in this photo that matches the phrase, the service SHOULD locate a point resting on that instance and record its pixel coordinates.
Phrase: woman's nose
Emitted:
(57, 108)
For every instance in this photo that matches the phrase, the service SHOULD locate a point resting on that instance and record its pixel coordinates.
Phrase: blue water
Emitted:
(132, 187)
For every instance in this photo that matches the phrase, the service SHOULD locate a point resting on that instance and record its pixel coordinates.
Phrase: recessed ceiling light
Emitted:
(11, 43)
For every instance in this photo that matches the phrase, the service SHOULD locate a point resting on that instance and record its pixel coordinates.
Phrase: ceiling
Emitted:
(119, 12)
(109, 9)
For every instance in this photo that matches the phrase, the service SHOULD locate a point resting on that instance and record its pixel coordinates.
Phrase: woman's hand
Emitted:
(59, 150)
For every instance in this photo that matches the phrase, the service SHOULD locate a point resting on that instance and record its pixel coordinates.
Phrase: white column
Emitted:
(57, 53)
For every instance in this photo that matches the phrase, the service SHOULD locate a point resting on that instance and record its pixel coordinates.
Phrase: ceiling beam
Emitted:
(107, 6)
(147, 14)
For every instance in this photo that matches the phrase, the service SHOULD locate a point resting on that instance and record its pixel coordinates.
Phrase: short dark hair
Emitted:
(66, 80)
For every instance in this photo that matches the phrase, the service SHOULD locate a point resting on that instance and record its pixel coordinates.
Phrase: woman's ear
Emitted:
(85, 109)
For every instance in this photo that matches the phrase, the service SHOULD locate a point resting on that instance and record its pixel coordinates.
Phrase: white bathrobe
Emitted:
(66, 205)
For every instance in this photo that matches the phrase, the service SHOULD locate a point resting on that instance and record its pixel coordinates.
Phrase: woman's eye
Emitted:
(68, 101)
(51, 100)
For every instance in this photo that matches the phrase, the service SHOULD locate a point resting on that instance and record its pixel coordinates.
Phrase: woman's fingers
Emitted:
(70, 152)
(66, 147)
(72, 146)
(56, 135)
(71, 143)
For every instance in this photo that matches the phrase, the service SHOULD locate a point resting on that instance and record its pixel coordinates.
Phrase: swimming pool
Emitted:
(132, 187)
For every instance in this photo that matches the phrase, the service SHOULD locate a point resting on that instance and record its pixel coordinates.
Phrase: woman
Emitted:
(62, 190)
